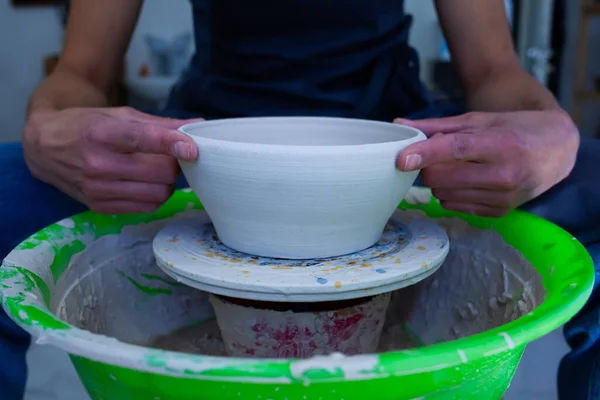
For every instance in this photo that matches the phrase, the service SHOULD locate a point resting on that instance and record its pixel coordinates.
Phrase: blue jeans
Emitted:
(28, 205)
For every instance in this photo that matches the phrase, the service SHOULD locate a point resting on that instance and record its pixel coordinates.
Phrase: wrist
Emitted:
(35, 109)
(63, 90)
(511, 89)
(39, 120)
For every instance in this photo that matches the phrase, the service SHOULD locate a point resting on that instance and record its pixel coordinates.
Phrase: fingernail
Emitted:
(413, 162)
(401, 121)
(182, 150)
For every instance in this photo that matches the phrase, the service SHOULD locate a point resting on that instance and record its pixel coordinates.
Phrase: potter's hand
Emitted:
(490, 163)
(114, 160)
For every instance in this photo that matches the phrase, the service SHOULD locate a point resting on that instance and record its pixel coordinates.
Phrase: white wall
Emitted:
(26, 37)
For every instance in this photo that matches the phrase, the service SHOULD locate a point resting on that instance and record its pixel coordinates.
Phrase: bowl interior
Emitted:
(301, 131)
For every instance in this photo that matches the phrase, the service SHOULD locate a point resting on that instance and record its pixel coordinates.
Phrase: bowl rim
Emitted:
(417, 135)
(23, 295)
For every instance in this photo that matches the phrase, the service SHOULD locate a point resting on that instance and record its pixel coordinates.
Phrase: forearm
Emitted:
(510, 90)
(65, 89)
(97, 37)
(484, 57)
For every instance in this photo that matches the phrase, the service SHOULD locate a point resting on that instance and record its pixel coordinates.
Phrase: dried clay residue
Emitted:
(483, 284)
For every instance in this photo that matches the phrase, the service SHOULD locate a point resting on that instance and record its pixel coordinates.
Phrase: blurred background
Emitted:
(555, 40)
(558, 41)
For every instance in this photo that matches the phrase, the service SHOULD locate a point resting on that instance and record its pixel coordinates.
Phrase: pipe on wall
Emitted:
(534, 44)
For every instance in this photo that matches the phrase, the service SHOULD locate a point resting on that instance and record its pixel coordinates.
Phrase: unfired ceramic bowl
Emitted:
(299, 187)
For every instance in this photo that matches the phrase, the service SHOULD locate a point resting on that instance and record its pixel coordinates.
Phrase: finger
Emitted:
(471, 175)
(447, 148)
(139, 167)
(126, 190)
(475, 209)
(141, 137)
(491, 198)
(165, 122)
(123, 207)
(460, 123)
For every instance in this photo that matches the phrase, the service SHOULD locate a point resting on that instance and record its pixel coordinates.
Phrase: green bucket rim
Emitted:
(24, 296)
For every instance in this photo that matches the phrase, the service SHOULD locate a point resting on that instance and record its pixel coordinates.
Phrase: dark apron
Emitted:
(301, 57)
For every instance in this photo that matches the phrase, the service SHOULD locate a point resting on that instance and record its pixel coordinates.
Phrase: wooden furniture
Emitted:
(582, 94)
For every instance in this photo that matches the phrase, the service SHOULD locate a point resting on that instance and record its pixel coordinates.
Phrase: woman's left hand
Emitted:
(490, 163)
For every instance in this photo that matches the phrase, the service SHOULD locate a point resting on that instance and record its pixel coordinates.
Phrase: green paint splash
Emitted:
(39, 283)
(146, 289)
(30, 315)
(169, 282)
(30, 281)
(63, 256)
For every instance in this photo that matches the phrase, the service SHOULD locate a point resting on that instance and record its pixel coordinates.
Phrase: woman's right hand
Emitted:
(114, 160)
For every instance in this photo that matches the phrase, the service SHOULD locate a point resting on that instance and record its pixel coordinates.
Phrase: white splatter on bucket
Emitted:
(267, 330)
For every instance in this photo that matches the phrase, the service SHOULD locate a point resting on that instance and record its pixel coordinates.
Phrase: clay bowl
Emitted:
(299, 187)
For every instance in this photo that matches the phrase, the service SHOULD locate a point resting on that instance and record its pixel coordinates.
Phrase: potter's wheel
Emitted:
(409, 250)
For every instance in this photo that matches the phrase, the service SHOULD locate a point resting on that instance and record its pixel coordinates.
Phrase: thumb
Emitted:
(459, 123)
(148, 137)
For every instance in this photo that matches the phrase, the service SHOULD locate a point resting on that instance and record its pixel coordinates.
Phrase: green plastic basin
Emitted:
(30, 287)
